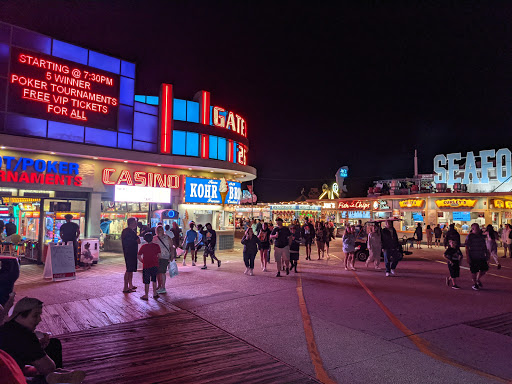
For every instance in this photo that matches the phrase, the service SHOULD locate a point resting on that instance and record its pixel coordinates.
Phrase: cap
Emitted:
(68, 216)
(25, 304)
(279, 219)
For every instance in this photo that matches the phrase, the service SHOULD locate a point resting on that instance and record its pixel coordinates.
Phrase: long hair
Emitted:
(492, 233)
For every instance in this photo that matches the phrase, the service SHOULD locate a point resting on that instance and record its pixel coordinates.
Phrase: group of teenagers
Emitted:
(161, 247)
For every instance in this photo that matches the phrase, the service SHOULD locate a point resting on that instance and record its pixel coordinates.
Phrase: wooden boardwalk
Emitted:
(175, 348)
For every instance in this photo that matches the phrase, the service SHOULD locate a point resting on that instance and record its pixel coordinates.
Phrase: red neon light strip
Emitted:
(205, 108)
(204, 146)
(230, 150)
(166, 118)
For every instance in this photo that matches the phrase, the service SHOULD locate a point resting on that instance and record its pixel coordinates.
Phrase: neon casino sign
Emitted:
(51, 88)
(140, 179)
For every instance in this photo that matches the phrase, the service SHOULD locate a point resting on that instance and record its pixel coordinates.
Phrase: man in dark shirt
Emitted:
(36, 354)
(452, 234)
(390, 248)
(177, 234)
(281, 236)
(210, 241)
(308, 233)
(130, 242)
(70, 231)
(10, 228)
(477, 255)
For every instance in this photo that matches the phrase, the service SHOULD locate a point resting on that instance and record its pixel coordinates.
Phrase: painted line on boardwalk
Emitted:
(314, 354)
(420, 343)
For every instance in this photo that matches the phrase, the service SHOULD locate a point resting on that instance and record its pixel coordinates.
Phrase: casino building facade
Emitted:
(76, 138)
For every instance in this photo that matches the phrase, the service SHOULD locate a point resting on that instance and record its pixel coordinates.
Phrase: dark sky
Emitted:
(321, 85)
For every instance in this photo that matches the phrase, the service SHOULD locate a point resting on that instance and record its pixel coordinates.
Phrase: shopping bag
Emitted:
(173, 269)
(179, 252)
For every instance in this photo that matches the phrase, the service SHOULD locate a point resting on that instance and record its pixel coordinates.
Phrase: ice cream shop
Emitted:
(94, 147)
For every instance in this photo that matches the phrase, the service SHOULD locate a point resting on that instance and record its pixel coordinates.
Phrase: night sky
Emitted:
(320, 86)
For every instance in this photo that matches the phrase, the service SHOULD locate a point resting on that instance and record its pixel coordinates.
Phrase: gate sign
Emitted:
(51, 88)
(212, 191)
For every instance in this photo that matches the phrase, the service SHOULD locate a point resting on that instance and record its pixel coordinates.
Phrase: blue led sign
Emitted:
(212, 191)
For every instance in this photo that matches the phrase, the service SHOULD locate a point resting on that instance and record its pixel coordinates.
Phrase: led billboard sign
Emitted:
(50, 88)
(212, 191)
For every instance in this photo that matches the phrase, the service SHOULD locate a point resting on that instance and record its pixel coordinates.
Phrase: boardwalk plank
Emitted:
(65, 317)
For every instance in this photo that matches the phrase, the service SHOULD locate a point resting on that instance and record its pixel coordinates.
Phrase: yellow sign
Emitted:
(411, 203)
(502, 204)
(456, 203)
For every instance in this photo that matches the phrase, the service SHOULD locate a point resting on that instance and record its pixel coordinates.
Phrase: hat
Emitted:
(279, 219)
(25, 304)
(68, 216)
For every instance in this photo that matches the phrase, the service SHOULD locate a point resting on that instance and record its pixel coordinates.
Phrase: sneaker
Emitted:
(218, 263)
(246, 271)
(278, 274)
(479, 284)
(161, 290)
(475, 287)
(392, 271)
(455, 287)
(264, 270)
(447, 281)
(251, 273)
(387, 274)
(287, 271)
(71, 377)
(346, 269)
(184, 263)
(203, 267)
(193, 264)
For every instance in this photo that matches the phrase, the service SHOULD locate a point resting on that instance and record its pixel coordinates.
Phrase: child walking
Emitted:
(294, 248)
(454, 257)
(148, 256)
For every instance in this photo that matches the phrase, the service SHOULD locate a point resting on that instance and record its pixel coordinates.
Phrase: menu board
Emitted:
(50, 88)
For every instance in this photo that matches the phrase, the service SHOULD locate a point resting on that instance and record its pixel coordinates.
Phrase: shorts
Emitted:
(199, 246)
(308, 240)
(190, 246)
(454, 269)
(294, 256)
(209, 252)
(149, 274)
(282, 254)
(264, 246)
(162, 265)
(476, 266)
(131, 262)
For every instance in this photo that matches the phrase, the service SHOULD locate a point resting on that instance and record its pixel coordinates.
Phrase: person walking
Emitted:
(437, 235)
(210, 241)
(308, 233)
(264, 245)
(130, 242)
(492, 245)
(509, 239)
(329, 228)
(418, 234)
(390, 248)
(294, 247)
(189, 243)
(349, 247)
(453, 255)
(281, 236)
(504, 240)
(167, 254)
(374, 245)
(451, 234)
(477, 255)
(70, 232)
(430, 234)
(250, 242)
(321, 235)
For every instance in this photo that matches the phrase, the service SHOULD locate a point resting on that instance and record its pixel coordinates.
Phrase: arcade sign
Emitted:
(229, 120)
(354, 204)
(411, 203)
(212, 191)
(456, 203)
(448, 170)
(51, 88)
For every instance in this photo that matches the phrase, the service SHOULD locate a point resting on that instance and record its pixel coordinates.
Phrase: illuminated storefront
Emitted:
(295, 211)
(94, 148)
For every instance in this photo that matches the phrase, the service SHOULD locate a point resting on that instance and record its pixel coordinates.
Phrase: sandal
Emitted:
(155, 296)
(127, 291)
(144, 298)
(134, 288)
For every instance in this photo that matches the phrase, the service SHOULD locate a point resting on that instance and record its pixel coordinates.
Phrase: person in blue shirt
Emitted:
(105, 226)
(189, 243)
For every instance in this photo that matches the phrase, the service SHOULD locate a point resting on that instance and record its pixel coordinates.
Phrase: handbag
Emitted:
(173, 268)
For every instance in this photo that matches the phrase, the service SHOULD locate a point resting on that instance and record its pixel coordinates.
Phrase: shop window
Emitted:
(192, 144)
(192, 112)
(69, 52)
(124, 141)
(5, 33)
(142, 146)
(63, 131)
(146, 108)
(127, 91)
(125, 119)
(213, 147)
(222, 149)
(180, 110)
(100, 137)
(145, 127)
(179, 139)
(107, 63)
(153, 100)
(4, 59)
(31, 40)
(140, 98)
(22, 125)
(128, 69)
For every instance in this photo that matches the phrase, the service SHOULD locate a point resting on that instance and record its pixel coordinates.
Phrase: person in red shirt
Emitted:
(148, 256)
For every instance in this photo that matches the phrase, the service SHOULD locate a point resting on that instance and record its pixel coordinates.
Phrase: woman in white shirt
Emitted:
(167, 254)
